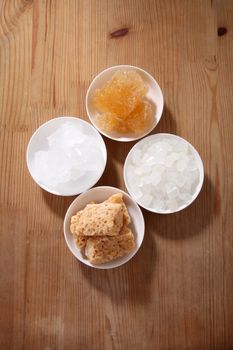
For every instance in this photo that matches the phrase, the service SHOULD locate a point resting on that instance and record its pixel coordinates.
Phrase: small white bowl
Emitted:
(156, 137)
(99, 194)
(154, 96)
(38, 142)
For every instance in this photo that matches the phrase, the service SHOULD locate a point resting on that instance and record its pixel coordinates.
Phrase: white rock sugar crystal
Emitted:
(71, 157)
(163, 174)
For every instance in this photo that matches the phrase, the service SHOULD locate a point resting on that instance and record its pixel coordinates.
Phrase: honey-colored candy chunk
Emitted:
(110, 122)
(139, 120)
(121, 94)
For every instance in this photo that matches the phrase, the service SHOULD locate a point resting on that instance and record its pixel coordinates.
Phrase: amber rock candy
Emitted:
(137, 121)
(140, 118)
(121, 94)
(111, 122)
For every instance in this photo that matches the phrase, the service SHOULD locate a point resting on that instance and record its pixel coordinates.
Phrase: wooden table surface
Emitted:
(176, 293)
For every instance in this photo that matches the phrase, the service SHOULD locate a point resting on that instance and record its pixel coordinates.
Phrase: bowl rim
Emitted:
(201, 168)
(50, 121)
(139, 211)
(124, 139)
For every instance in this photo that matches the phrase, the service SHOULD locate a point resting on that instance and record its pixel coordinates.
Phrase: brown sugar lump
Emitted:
(77, 225)
(79, 238)
(103, 249)
(81, 241)
(121, 94)
(115, 198)
(101, 230)
(74, 222)
(104, 219)
(118, 198)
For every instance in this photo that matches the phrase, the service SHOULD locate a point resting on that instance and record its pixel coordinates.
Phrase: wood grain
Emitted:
(176, 293)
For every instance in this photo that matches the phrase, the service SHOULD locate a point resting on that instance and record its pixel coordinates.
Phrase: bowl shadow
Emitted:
(119, 150)
(129, 282)
(110, 176)
(190, 221)
(167, 123)
(57, 204)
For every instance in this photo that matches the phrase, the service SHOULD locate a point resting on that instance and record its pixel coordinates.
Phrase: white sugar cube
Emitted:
(172, 204)
(170, 159)
(155, 178)
(158, 204)
(171, 190)
(160, 157)
(138, 193)
(158, 168)
(181, 165)
(165, 175)
(186, 197)
(146, 200)
(69, 156)
(147, 189)
(171, 175)
(150, 160)
(138, 171)
(147, 180)
(136, 156)
(187, 186)
(130, 172)
(180, 179)
(182, 146)
(146, 169)
(195, 176)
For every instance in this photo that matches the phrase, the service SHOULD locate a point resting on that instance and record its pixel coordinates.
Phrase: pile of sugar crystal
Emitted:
(71, 157)
(163, 174)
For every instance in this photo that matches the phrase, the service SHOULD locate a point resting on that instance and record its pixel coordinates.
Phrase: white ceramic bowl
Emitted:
(38, 142)
(154, 96)
(155, 137)
(99, 194)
